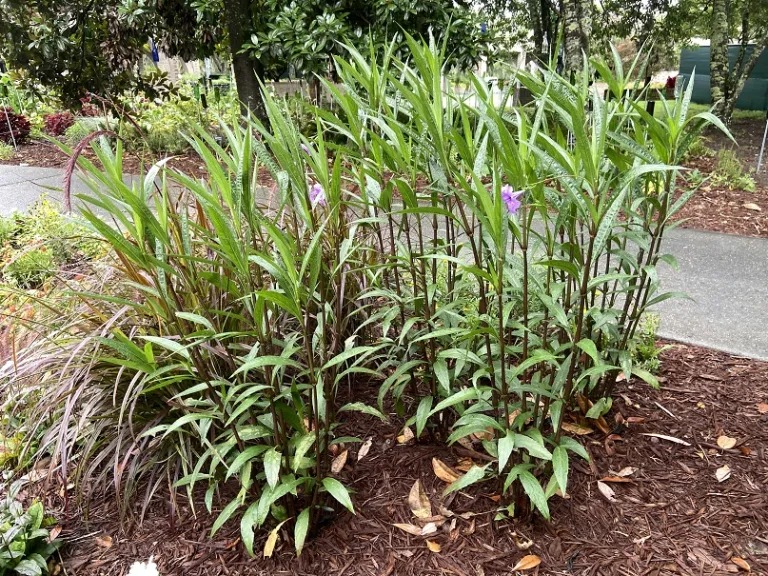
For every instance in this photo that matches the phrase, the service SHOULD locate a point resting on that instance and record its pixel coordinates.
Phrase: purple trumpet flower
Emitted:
(317, 194)
(511, 198)
(305, 148)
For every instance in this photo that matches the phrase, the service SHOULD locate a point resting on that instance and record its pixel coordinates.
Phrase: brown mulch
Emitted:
(719, 209)
(673, 518)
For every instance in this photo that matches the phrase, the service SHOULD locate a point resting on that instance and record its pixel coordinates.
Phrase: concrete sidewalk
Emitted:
(726, 276)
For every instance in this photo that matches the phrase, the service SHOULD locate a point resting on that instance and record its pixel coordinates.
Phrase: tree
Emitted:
(577, 27)
(94, 45)
(746, 20)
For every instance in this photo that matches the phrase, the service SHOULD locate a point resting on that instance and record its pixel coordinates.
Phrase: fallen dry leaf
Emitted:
(54, 533)
(521, 544)
(364, 449)
(338, 463)
(469, 530)
(752, 206)
(741, 563)
(635, 420)
(465, 464)
(433, 546)
(428, 529)
(762, 408)
(103, 541)
(606, 491)
(269, 545)
(444, 472)
(410, 528)
(626, 471)
(710, 377)
(723, 473)
(406, 436)
(726, 442)
(527, 562)
(577, 429)
(615, 479)
(419, 501)
(665, 437)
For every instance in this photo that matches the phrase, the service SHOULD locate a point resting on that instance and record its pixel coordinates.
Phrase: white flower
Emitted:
(148, 568)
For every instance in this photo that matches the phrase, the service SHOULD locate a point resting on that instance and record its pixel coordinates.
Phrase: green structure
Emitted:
(755, 93)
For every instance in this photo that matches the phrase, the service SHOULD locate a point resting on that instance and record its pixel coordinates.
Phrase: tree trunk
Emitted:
(247, 70)
(719, 75)
(577, 22)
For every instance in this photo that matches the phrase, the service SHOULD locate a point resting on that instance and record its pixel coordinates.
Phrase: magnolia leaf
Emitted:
(410, 528)
(364, 449)
(419, 501)
(723, 473)
(741, 563)
(626, 471)
(338, 463)
(726, 442)
(607, 492)
(527, 562)
(577, 429)
(444, 472)
(406, 436)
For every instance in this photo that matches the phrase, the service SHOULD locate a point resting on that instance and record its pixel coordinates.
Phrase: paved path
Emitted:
(725, 275)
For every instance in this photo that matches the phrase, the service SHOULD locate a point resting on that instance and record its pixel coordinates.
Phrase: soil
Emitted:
(720, 209)
(670, 517)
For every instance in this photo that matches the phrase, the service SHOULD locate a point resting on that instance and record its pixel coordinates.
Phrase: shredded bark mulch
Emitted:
(720, 209)
(669, 516)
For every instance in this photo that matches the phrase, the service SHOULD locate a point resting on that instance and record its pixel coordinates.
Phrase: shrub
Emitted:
(26, 544)
(82, 128)
(213, 352)
(6, 151)
(29, 268)
(729, 171)
(57, 124)
(14, 128)
(700, 149)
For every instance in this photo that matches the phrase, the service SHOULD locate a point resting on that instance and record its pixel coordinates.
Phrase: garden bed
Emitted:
(720, 209)
(671, 516)
(45, 154)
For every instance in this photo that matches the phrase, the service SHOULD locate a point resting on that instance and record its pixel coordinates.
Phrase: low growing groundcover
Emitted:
(670, 515)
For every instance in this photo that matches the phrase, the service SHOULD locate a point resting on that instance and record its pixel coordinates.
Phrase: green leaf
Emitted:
(28, 567)
(225, 515)
(365, 409)
(422, 414)
(300, 530)
(474, 474)
(535, 449)
(339, 492)
(302, 446)
(573, 446)
(649, 378)
(460, 396)
(560, 467)
(506, 446)
(441, 371)
(600, 407)
(272, 462)
(246, 527)
(535, 492)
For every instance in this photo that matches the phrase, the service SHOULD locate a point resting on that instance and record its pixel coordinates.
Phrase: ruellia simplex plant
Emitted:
(487, 264)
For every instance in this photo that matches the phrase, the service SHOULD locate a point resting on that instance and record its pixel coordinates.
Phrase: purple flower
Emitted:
(317, 194)
(305, 148)
(511, 198)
